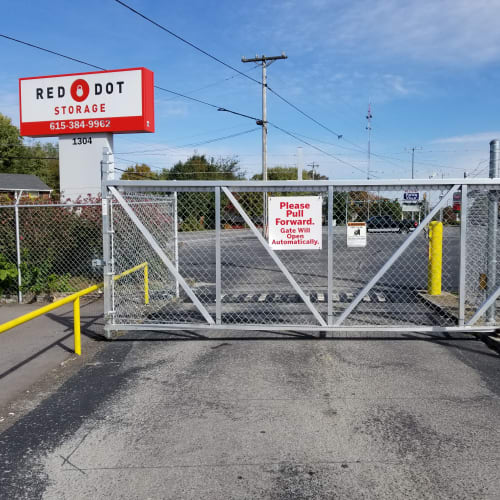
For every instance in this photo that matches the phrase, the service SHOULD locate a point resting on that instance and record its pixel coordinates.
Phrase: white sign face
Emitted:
(405, 207)
(356, 234)
(119, 94)
(295, 222)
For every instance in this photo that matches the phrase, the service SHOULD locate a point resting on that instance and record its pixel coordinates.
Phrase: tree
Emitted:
(197, 209)
(198, 167)
(139, 172)
(11, 146)
(17, 158)
(288, 174)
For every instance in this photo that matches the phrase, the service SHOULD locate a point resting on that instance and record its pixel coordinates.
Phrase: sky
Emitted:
(429, 70)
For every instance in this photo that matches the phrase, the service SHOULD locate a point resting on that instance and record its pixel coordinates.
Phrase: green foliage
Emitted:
(192, 224)
(197, 210)
(17, 158)
(139, 172)
(288, 174)
(198, 167)
(57, 246)
(8, 274)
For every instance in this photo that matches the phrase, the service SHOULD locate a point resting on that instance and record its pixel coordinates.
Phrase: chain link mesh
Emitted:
(57, 244)
(255, 291)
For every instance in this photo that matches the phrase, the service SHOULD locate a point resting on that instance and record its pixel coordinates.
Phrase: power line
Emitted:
(52, 52)
(218, 108)
(199, 49)
(317, 148)
(211, 56)
(194, 144)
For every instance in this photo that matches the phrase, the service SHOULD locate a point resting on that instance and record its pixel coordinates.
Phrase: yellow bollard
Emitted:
(146, 284)
(76, 326)
(435, 266)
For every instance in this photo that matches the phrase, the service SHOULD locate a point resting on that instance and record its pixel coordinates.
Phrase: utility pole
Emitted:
(313, 166)
(369, 117)
(300, 163)
(263, 60)
(413, 160)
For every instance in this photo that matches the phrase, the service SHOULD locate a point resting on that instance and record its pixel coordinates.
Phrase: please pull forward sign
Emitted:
(295, 222)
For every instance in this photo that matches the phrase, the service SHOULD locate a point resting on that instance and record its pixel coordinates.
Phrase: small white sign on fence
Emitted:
(356, 234)
(295, 222)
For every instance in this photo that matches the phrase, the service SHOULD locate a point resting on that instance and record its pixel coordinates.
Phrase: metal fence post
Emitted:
(330, 254)
(106, 172)
(493, 227)
(176, 243)
(218, 305)
(463, 256)
(18, 249)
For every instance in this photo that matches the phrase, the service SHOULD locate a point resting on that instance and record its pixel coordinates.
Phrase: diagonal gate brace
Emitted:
(273, 255)
(396, 255)
(161, 254)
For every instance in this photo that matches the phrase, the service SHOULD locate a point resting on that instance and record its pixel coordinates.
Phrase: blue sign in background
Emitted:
(411, 196)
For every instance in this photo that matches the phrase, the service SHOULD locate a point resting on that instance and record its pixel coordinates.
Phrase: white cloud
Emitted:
(483, 137)
(456, 32)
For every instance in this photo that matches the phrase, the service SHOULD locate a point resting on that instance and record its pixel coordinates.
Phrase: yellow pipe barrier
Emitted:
(75, 298)
(435, 266)
(146, 284)
(77, 326)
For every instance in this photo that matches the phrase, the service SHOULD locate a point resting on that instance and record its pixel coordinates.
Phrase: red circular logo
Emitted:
(79, 90)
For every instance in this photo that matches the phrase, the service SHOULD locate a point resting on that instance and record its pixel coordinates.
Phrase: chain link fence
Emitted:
(59, 242)
(48, 254)
(253, 289)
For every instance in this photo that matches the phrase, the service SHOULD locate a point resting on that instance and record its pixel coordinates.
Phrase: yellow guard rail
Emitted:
(75, 298)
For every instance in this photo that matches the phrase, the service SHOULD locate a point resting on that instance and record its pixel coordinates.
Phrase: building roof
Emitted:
(25, 182)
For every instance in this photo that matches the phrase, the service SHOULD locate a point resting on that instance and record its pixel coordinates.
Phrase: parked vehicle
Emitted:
(410, 225)
(386, 224)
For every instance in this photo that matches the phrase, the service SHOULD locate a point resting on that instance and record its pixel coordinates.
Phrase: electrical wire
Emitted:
(317, 148)
(211, 56)
(200, 101)
(199, 49)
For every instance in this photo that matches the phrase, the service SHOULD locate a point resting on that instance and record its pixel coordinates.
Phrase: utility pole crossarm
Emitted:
(264, 58)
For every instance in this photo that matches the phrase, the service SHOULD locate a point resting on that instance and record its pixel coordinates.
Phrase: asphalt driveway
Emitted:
(266, 416)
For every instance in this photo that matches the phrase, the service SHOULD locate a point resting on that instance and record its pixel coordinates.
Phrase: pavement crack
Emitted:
(66, 459)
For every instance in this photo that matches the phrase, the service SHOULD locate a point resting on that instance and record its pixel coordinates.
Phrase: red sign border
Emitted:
(121, 125)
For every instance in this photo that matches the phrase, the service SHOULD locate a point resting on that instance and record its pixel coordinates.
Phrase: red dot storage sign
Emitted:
(295, 222)
(117, 101)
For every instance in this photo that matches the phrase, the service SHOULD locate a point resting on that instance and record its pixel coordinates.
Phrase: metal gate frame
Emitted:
(111, 190)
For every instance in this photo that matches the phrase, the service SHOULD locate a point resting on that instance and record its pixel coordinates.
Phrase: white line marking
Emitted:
(380, 297)
(262, 297)
(367, 298)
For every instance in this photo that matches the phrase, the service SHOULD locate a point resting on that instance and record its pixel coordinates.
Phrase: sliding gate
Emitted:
(209, 264)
